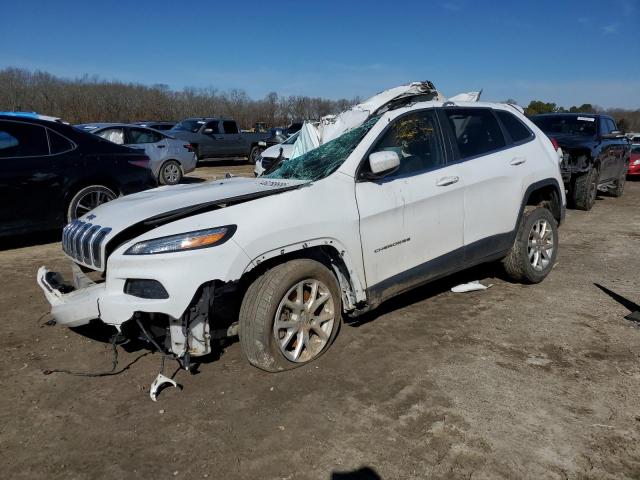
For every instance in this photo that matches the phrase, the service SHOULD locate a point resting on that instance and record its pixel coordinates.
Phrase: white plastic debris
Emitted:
(470, 287)
(159, 382)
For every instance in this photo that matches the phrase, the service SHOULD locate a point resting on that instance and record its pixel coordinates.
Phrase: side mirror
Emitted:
(613, 135)
(208, 131)
(382, 163)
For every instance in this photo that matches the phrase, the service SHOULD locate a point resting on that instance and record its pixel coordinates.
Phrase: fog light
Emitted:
(144, 288)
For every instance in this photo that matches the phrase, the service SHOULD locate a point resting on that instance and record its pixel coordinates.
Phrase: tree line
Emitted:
(91, 99)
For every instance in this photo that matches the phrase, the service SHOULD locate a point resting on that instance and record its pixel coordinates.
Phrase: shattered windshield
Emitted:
(321, 162)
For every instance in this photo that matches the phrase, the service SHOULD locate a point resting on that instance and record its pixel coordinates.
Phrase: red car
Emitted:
(634, 160)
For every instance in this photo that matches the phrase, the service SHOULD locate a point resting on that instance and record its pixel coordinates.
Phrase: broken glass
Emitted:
(324, 160)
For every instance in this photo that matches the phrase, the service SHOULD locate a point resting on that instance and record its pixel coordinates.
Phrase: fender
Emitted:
(536, 186)
(352, 286)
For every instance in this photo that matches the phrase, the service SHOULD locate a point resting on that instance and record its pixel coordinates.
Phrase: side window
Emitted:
(213, 126)
(139, 135)
(115, 135)
(230, 127)
(22, 140)
(612, 125)
(58, 144)
(416, 139)
(476, 131)
(516, 129)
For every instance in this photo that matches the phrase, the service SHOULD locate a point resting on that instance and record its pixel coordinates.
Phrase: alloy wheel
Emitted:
(304, 320)
(540, 246)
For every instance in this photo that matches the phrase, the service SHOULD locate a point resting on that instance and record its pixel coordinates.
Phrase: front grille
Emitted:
(83, 242)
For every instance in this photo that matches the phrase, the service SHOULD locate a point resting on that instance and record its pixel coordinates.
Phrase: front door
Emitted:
(411, 221)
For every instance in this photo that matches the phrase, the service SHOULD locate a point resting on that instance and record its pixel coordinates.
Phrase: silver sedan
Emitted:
(169, 157)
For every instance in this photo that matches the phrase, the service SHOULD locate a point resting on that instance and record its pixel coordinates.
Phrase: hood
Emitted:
(166, 204)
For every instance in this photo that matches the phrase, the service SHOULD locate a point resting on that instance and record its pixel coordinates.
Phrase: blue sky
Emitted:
(569, 52)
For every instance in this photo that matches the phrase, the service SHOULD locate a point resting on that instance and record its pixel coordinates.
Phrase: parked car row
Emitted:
(416, 189)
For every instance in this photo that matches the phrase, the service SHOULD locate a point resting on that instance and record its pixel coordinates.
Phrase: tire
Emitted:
(618, 190)
(522, 264)
(87, 199)
(273, 345)
(585, 189)
(170, 173)
(254, 154)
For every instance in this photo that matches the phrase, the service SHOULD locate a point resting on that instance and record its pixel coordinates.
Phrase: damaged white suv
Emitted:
(415, 192)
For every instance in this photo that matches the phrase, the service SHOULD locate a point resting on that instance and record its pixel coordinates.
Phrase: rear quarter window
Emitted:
(517, 130)
(58, 143)
(22, 140)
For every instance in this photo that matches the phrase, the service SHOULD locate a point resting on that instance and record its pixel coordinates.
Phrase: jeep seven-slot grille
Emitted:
(83, 241)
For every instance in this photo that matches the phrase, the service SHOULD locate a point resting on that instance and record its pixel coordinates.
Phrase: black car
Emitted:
(52, 173)
(596, 154)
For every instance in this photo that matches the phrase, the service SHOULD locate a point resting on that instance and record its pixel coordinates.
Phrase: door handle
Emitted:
(161, 146)
(219, 138)
(444, 181)
(517, 161)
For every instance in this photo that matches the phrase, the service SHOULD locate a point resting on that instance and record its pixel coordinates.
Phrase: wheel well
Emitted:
(327, 255)
(549, 197)
(76, 187)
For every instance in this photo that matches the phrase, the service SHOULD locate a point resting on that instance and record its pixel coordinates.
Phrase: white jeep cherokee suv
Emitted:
(411, 195)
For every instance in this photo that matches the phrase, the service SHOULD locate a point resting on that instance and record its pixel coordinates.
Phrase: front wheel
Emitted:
(585, 189)
(290, 315)
(535, 248)
(87, 199)
(170, 173)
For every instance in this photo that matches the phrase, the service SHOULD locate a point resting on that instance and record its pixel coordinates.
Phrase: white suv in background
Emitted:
(411, 195)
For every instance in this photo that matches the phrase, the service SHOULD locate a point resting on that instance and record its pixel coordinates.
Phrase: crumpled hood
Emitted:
(129, 210)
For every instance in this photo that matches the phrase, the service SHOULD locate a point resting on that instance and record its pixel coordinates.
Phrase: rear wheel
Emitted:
(618, 188)
(534, 251)
(290, 315)
(87, 199)
(170, 173)
(254, 154)
(585, 189)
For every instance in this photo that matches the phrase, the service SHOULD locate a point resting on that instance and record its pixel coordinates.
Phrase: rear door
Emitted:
(151, 142)
(411, 221)
(31, 181)
(494, 173)
(210, 142)
(234, 142)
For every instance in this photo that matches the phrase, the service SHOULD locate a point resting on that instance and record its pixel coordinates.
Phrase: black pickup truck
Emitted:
(595, 154)
(219, 138)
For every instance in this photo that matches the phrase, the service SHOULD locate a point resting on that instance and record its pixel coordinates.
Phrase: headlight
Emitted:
(636, 162)
(183, 241)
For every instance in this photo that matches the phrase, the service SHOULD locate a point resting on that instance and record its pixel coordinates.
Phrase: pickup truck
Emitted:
(595, 154)
(219, 138)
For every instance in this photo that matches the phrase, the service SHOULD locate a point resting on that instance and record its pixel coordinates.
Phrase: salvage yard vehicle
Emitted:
(219, 138)
(418, 190)
(53, 173)
(161, 125)
(274, 154)
(170, 158)
(634, 160)
(596, 154)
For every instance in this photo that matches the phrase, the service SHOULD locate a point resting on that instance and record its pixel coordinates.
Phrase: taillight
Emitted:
(141, 162)
(189, 147)
(555, 143)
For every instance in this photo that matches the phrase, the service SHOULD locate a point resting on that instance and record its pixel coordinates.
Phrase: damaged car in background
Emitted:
(412, 189)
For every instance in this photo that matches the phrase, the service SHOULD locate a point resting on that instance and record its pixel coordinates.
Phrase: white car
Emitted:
(169, 158)
(273, 154)
(411, 195)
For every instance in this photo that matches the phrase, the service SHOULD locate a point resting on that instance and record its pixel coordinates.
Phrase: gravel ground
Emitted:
(512, 382)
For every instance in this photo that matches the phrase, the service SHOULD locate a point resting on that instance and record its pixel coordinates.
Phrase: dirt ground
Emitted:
(513, 382)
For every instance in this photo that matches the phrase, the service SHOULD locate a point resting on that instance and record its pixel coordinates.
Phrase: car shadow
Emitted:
(480, 272)
(30, 239)
(364, 473)
(222, 162)
(188, 180)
